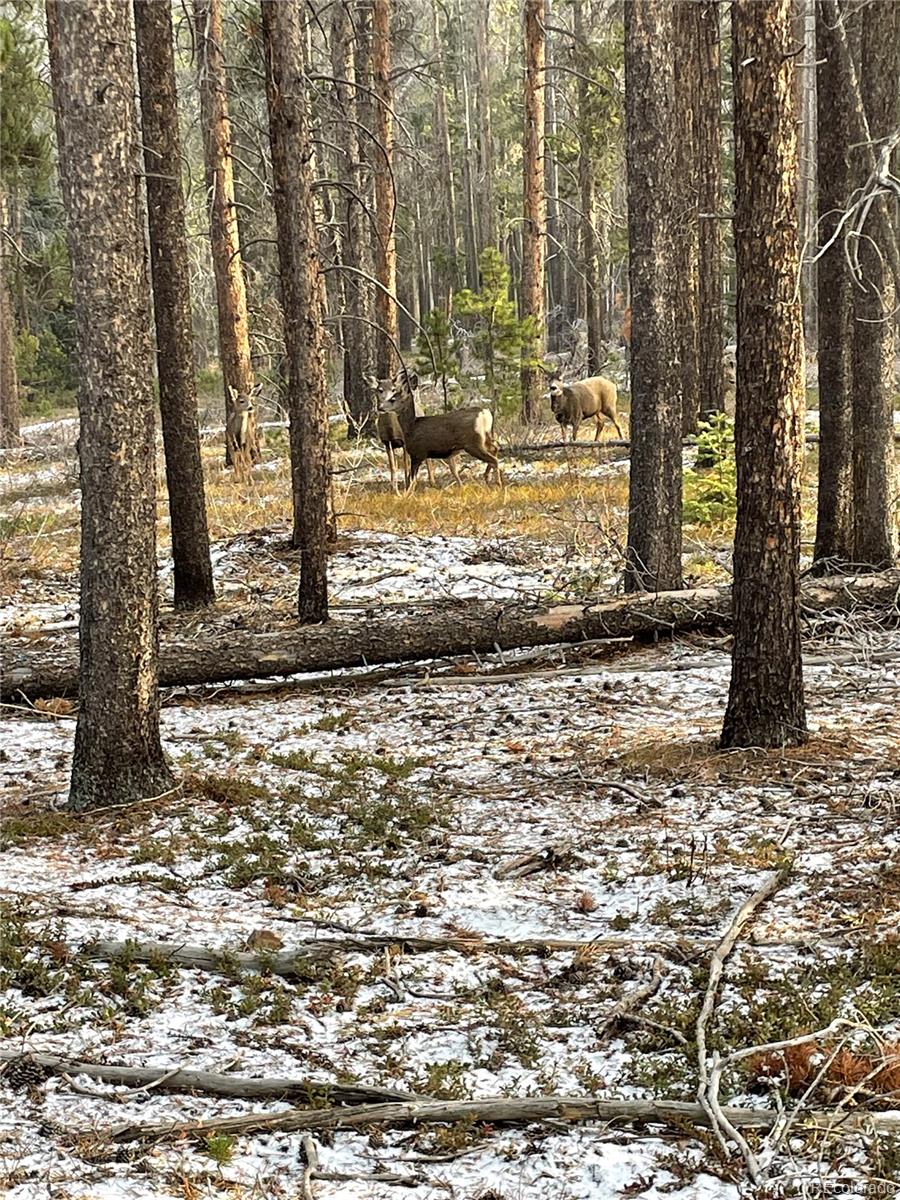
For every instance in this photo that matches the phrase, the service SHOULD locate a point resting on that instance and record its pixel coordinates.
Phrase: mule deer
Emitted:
(237, 430)
(572, 403)
(444, 435)
(387, 424)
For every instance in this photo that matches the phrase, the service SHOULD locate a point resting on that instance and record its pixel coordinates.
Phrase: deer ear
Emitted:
(412, 381)
(372, 382)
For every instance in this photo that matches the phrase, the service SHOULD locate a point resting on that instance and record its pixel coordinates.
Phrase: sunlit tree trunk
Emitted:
(654, 507)
(765, 701)
(118, 756)
(488, 223)
(10, 413)
(448, 228)
(534, 224)
(172, 305)
(231, 295)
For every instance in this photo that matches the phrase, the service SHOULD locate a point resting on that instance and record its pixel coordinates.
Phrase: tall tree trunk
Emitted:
(355, 234)
(556, 292)
(708, 143)
(534, 224)
(687, 235)
(10, 412)
(448, 228)
(834, 524)
(292, 176)
(589, 256)
(765, 701)
(488, 224)
(385, 199)
(808, 165)
(231, 294)
(874, 477)
(172, 305)
(470, 228)
(118, 756)
(654, 504)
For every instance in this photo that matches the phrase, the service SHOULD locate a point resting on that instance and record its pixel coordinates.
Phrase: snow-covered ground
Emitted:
(400, 806)
(394, 809)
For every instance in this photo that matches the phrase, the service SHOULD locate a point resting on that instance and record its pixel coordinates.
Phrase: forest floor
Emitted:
(408, 804)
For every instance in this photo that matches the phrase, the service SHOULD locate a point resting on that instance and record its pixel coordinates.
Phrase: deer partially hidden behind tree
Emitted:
(444, 436)
(583, 400)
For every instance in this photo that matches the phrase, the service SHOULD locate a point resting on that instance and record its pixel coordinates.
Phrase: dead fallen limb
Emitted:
(707, 1090)
(631, 1001)
(495, 1111)
(168, 1079)
(479, 627)
(303, 960)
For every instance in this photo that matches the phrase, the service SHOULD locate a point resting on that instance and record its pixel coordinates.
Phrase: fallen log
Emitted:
(168, 1079)
(494, 1111)
(306, 955)
(226, 655)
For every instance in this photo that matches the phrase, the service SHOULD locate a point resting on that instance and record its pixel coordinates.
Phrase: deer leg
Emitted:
(599, 428)
(413, 472)
(453, 465)
(393, 466)
(429, 467)
(618, 429)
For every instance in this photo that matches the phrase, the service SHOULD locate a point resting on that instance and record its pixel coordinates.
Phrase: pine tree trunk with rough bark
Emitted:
(534, 224)
(488, 224)
(653, 556)
(283, 26)
(10, 411)
(118, 756)
(708, 142)
(385, 199)
(687, 235)
(354, 235)
(766, 702)
(448, 226)
(172, 305)
(874, 471)
(231, 293)
(589, 248)
(834, 523)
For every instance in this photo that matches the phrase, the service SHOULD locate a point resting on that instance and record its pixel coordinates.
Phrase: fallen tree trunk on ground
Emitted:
(174, 1079)
(495, 1111)
(229, 655)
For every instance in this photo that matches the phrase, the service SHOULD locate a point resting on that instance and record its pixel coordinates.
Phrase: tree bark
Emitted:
(687, 233)
(118, 756)
(834, 524)
(10, 410)
(231, 294)
(385, 198)
(534, 224)
(590, 249)
(654, 503)
(874, 477)
(555, 253)
(470, 225)
(355, 236)
(448, 227)
(765, 701)
(708, 138)
(292, 176)
(475, 627)
(489, 222)
(172, 305)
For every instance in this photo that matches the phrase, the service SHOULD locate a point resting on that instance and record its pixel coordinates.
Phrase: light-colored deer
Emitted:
(237, 430)
(444, 435)
(387, 424)
(573, 403)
